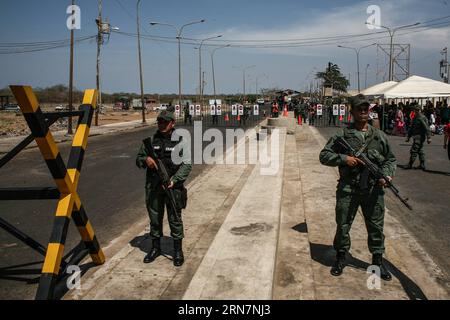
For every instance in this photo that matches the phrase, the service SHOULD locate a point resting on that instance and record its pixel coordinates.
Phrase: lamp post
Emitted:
(179, 32)
(258, 77)
(200, 66)
(140, 61)
(244, 69)
(213, 71)
(365, 81)
(357, 51)
(392, 32)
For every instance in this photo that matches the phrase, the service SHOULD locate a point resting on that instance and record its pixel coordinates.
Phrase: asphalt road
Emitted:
(428, 193)
(111, 189)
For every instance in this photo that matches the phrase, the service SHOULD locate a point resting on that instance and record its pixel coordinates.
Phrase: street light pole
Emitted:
(245, 69)
(179, 32)
(213, 71)
(357, 51)
(200, 99)
(365, 82)
(140, 62)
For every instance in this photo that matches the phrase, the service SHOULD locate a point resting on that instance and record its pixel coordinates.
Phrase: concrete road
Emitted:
(429, 195)
(111, 189)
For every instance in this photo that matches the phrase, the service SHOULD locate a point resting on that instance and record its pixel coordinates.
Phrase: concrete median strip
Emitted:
(241, 260)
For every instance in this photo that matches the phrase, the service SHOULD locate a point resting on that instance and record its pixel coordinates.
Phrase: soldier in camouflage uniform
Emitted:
(156, 198)
(357, 187)
(419, 131)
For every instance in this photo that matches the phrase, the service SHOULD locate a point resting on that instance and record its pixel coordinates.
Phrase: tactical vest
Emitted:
(359, 177)
(163, 147)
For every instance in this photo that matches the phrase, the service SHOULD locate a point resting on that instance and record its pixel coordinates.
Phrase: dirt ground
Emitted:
(13, 124)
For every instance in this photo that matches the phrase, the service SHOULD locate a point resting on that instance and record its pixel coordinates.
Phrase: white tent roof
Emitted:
(379, 89)
(418, 87)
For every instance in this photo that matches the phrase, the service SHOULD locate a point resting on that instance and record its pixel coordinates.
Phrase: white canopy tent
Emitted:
(379, 89)
(418, 87)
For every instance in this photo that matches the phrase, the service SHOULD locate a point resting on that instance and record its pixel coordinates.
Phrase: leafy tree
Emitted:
(332, 77)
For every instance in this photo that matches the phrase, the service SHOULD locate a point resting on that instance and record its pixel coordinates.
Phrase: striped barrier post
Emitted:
(69, 204)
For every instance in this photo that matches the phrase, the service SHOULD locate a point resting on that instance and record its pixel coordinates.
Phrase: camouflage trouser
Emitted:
(372, 206)
(417, 149)
(156, 201)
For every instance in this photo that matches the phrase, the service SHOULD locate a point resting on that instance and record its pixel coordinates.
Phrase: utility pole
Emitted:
(69, 122)
(99, 44)
(140, 62)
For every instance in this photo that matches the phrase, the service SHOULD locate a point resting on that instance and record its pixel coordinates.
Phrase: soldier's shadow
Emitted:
(144, 243)
(325, 255)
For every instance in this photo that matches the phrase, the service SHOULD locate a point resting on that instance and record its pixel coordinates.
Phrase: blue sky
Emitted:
(31, 21)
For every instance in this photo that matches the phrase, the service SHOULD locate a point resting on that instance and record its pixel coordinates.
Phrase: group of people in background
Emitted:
(396, 119)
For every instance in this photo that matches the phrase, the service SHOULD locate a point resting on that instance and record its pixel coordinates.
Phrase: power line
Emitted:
(36, 47)
(372, 37)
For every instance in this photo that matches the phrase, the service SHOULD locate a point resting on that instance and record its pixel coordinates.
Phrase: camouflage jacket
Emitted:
(378, 151)
(420, 127)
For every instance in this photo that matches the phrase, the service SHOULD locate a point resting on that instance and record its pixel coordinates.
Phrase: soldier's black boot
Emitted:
(409, 165)
(155, 252)
(422, 166)
(339, 264)
(178, 257)
(377, 260)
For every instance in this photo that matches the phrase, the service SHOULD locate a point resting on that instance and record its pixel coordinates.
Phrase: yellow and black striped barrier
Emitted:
(66, 179)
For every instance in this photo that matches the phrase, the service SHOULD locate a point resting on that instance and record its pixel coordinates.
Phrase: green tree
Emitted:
(332, 77)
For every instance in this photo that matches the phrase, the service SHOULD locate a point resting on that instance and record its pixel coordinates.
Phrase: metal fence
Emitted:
(326, 116)
(228, 116)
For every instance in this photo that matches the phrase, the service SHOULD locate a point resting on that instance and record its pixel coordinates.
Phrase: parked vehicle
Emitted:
(137, 104)
(11, 108)
(162, 107)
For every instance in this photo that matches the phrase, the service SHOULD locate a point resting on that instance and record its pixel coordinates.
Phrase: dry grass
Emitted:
(13, 124)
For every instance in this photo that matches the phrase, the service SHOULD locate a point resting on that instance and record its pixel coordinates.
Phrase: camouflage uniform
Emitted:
(419, 131)
(357, 187)
(156, 198)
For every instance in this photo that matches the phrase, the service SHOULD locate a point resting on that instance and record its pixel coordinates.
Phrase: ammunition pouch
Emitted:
(181, 198)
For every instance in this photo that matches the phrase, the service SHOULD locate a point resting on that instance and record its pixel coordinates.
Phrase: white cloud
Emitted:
(342, 20)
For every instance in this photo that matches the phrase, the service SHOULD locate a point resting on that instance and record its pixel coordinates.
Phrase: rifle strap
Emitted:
(365, 145)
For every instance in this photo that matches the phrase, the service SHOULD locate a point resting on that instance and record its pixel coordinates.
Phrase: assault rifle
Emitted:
(164, 176)
(373, 169)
